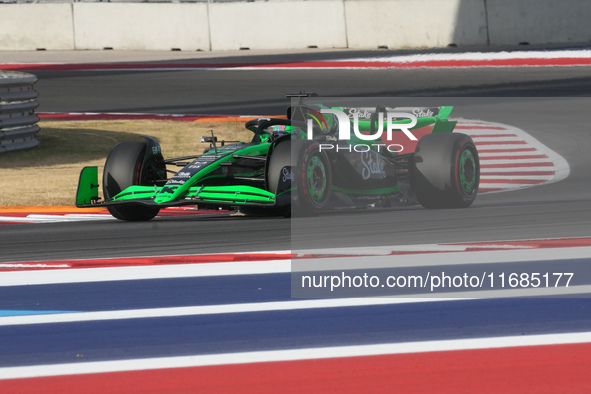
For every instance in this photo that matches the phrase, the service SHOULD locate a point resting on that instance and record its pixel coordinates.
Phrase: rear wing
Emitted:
(367, 119)
(419, 112)
(425, 116)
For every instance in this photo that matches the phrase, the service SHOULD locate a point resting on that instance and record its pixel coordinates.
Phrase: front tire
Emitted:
(300, 167)
(445, 171)
(314, 180)
(122, 169)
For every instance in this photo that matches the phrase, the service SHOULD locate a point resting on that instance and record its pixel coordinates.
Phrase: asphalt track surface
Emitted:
(550, 103)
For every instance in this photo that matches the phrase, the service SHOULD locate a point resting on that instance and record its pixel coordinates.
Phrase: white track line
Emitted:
(24, 278)
(293, 354)
(550, 54)
(36, 218)
(486, 155)
(209, 310)
(85, 275)
(71, 317)
(508, 186)
(483, 171)
(508, 176)
(492, 161)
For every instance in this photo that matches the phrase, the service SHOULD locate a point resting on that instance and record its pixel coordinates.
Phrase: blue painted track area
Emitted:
(150, 337)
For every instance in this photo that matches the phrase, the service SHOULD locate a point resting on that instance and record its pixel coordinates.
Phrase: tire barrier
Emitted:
(18, 100)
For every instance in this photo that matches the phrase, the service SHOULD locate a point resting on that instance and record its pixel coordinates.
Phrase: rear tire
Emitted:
(122, 169)
(445, 171)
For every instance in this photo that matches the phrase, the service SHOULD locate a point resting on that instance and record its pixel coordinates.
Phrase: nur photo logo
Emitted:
(341, 124)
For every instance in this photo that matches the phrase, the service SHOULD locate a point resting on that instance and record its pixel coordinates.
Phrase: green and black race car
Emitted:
(301, 164)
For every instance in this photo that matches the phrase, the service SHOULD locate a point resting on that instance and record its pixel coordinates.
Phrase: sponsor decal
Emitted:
(196, 165)
(176, 182)
(372, 165)
(287, 174)
(359, 113)
(422, 112)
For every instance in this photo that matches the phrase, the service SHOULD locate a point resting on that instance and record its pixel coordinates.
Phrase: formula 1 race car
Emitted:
(305, 164)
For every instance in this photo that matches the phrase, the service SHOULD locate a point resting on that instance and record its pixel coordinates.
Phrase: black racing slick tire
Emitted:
(279, 176)
(314, 180)
(122, 169)
(300, 167)
(445, 171)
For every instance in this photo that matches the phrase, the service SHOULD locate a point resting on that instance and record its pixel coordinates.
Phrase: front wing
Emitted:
(234, 195)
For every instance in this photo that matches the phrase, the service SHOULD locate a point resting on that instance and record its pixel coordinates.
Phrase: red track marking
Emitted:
(514, 181)
(535, 369)
(491, 135)
(49, 209)
(458, 63)
(187, 118)
(507, 150)
(513, 165)
(534, 62)
(479, 247)
(25, 214)
(501, 143)
(143, 261)
(178, 118)
(465, 127)
(514, 157)
(243, 257)
(525, 173)
(536, 243)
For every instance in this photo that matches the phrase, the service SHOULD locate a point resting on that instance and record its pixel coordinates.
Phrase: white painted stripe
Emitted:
(517, 177)
(480, 132)
(35, 218)
(508, 153)
(21, 265)
(23, 278)
(84, 275)
(489, 161)
(500, 146)
(293, 354)
(478, 56)
(15, 219)
(439, 259)
(502, 139)
(508, 186)
(533, 170)
(389, 250)
(478, 126)
(325, 66)
(288, 305)
(469, 122)
(210, 310)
